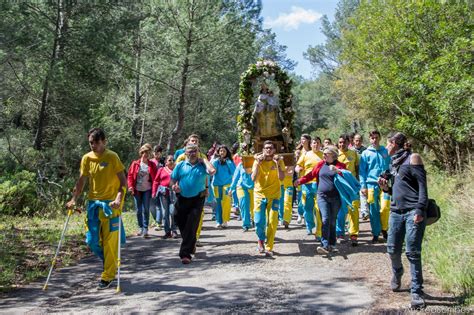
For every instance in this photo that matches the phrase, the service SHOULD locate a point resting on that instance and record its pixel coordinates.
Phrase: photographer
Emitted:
(406, 182)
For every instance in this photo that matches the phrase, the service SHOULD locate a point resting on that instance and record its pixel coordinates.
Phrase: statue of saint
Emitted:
(266, 118)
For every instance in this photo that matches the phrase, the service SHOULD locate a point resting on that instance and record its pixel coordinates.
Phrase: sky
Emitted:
(297, 25)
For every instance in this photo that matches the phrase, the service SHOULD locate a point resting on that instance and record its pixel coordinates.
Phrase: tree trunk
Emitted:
(175, 133)
(137, 95)
(142, 134)
(61, 25)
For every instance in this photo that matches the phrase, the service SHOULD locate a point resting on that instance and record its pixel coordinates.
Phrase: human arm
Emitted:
(256, 166)
(280, 166)
(77, 191)
(209, 167)
(123, 183)
(235, 178)
(363, 174)
(419, 173)
(131, 178)
(310, 176)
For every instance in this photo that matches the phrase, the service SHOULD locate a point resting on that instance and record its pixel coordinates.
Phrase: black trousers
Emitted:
(187, 215)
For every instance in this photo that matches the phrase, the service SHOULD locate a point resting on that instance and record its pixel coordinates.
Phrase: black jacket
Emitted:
(409, 190)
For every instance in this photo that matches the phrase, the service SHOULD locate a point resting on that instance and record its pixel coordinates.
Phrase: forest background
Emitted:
(157, 71)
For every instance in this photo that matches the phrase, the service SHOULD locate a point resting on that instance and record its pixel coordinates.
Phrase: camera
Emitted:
(386, 175)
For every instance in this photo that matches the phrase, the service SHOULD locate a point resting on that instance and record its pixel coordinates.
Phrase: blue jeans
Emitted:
(156, 210)
(328, 207)
(167, 204)
(402, 228)
(142, 206)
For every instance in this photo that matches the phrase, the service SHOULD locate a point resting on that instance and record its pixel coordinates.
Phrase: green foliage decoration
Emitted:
(269, 70)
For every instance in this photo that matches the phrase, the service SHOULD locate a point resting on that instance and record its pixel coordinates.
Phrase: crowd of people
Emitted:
(333, 187)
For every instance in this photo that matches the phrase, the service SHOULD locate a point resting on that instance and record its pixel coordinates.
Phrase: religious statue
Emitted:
(266, 116)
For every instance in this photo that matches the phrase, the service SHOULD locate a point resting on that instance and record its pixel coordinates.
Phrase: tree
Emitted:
(409, 66)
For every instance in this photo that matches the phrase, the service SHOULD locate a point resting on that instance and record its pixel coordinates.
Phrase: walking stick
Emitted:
(53, 262)
(119, 252)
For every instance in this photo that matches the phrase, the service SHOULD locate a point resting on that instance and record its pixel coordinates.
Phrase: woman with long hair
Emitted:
(225, 168)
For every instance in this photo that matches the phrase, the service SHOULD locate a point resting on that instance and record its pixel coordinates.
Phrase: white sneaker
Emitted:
(299, 220)
(218, 226)
(224, 225)
(322, 250)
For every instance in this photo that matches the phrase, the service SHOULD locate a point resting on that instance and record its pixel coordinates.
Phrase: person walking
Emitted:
(140, 180)
(188, 181)
(359, 147)
(351, 160)
(267, 171)
(373, 162)
(225, 168)
(104, 171)
(406, 182)
(155, 205)
(165, 196)
(305, 165)
(243, 185)
(329, 199)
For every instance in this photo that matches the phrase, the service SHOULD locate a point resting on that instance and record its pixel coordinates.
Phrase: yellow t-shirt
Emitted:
(351, 159)
(288, 180)
(182, 157)
(308, 161)
(267, 183)
(102, 173)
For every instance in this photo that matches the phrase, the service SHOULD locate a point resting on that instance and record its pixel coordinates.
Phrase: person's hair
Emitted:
(332, 149)
(329, 139)
(193, 136)
(306, 136)
(351, 135)
(228, 154)
(169, 156)
(97, 134)
(399, 139)
(318, 138)
(235, 148)
(345, 136)
(157, 148)
(358, 134)
(374, 132)
(269, 142)
(145, 148)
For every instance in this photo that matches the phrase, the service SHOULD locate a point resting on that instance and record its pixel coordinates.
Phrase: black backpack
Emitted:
(433, 212)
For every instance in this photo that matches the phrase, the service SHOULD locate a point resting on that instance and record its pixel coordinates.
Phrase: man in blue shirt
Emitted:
(188, 180)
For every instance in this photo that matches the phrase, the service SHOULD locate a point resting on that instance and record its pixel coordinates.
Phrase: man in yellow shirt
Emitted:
(305, 165)
(267, 172)
(107, 185)
(351, 159)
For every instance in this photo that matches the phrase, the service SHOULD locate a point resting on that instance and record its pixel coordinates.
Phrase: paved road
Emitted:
(227, 275)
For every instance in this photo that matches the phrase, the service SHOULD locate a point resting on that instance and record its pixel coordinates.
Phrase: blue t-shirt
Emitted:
(191, 178)
(224, 172)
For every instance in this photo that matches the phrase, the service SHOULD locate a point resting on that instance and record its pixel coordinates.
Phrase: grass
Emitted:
(29, 244)
(449, 243)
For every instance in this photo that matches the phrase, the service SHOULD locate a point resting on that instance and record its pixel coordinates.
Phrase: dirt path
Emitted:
(227, 275)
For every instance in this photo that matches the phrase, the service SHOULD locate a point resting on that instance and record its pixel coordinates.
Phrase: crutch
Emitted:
(53, 262)
(119, 241)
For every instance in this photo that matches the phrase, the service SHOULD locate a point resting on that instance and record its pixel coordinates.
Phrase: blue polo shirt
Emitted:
(191, 178)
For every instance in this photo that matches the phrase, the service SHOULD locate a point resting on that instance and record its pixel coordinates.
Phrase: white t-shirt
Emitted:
(143, 178)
